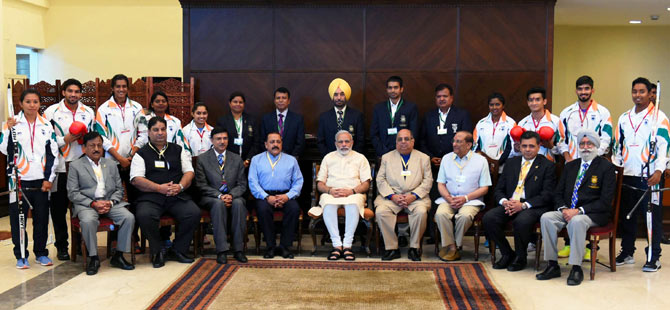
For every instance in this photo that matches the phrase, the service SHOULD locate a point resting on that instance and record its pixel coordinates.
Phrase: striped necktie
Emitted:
(339, 120)
(580, 178)
(221, 162)
(518, 191)
(280, 124)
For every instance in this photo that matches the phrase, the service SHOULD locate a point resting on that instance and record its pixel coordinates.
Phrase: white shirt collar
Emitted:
(344, 109)
(523, 160)
(92, 162)
(282, 113)
(217, 153)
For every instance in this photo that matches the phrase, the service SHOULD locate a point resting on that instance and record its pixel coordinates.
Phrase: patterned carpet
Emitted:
(284, 284)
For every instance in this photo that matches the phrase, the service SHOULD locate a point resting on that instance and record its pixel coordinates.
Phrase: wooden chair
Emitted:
(595, 234)
(367, 219)
(78, 243)
(489, 203)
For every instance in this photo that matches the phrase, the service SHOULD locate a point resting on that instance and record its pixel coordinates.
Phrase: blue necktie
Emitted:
(580, 178)
(221, 163)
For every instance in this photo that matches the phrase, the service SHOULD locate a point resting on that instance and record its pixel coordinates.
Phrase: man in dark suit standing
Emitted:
(290, 125)
(524, 192)
(583, 200)
(243, 128)
(222, 182)
(440, 125)
(390, 116)
(341, 117)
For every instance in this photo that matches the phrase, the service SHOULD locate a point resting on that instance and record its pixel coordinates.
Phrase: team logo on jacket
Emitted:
(351, 128)
(594, 182)
(251, 130)
(403, 121)
(454, 127)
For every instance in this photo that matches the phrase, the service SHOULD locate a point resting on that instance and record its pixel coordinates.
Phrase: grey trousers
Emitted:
(238, 222)
(124, 222)
(552, 223)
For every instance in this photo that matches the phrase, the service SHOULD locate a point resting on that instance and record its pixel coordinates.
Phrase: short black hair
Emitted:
(443, 86)
(70, 82)
(119, 77)
(530, 135)
(653, 86)
(90, 136)
(154, 120)
(496, 95)
(240, 94)
(282, 90)
(644, 81)
(394, 78)
(584, 79)
(28, 92)
(537, 90)
(198, 104)
(154, 96)
(271, 133)
(217, 130)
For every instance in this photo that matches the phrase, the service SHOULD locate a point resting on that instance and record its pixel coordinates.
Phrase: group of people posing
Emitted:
(149, 152)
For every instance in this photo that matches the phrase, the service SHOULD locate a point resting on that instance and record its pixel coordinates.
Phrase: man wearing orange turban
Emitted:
(340, 117)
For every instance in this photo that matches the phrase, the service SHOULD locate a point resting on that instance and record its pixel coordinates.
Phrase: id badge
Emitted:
(392, 131)
(238, 141)
(441, 131)
(159, 164)
(406, 173)
(460, 179)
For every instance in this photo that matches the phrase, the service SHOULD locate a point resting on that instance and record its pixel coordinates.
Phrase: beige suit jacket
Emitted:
(390, 181)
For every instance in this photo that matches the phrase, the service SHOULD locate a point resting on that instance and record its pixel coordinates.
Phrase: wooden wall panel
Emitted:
(503, 38)
(319, 39)
(230, 39)
(474, 89)
(411, 39)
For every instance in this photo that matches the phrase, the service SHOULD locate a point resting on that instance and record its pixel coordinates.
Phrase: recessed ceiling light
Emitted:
(668, 9)
(635, 22)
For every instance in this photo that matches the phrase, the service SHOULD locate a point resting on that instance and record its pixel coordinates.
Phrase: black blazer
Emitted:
(406, 117)
(435, 145)
(352, 122)
(539, 185)
(293, 141)
(250, 133)
(596, 192)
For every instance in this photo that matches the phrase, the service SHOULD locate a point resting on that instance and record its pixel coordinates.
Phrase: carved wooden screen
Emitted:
(180, 97)
(88, 96)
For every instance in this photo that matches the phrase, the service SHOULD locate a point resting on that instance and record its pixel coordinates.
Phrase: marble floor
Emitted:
(66, 286)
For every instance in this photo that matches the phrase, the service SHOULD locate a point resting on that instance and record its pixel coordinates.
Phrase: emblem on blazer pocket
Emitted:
(351, 129)
(594, 182)
(403, 121)
(454, 127)
(251, 131)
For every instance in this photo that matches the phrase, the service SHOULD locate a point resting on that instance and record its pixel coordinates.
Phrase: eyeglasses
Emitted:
(406, 139)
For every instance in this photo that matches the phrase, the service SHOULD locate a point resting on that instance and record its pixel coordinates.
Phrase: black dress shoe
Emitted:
(176, 256)
(517, 264)
(552, 271)
(503, 262)
(285, 253)
(391, 254)
(221, 258)
(118, 261)
(402, 241)
(414, 255)
(269, 253)
(158, 260)
(576, 276)
(63, 255)
(93, 266)
(240, 257)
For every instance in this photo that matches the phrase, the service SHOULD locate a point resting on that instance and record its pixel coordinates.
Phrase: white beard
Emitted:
(343, 152)
(588, 156)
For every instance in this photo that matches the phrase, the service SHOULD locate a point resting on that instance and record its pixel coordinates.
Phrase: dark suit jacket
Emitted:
(353, 122)
(596, 192)
(208, 176)
(539, 186)
(250, 133)
(381, 122)
(293, 141)
(435, 145)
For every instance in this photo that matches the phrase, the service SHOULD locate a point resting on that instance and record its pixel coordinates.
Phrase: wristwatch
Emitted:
(524, 206)
(181, 186)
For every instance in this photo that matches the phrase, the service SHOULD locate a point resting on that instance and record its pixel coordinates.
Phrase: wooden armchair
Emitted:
(367, 219)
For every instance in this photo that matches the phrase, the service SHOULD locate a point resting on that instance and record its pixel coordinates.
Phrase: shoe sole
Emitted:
(22, 267)
(625, 263)
(650, 270)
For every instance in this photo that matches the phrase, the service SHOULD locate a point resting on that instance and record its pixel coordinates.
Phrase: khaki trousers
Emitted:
(464, 218)
(386, 212)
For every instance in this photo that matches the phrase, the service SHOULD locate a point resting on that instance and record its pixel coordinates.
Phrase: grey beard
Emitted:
(588, 156)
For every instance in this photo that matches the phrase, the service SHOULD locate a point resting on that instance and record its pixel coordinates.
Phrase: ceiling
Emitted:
(611, 12)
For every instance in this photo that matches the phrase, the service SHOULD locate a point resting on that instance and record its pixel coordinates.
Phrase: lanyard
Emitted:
(581, 120)
(123, 114)
(238, 126)
(32, 135)
(391, 114)
(272, 165)
(405, 164)
(538, 122)
(201, 132)
(635, 128)
(439, 115)
(73, 112)
(495, 125)
(459, 165)
(160, 154)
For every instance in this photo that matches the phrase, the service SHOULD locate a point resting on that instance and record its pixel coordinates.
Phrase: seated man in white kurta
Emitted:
(343, 179)
(463, 180)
